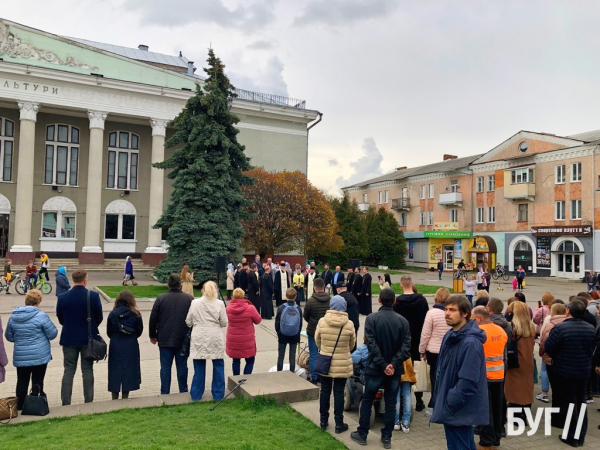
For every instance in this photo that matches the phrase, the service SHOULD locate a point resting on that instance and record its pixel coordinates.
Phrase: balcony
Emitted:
(451, 198)
(401, 204)
(363, 207)
(520, 191)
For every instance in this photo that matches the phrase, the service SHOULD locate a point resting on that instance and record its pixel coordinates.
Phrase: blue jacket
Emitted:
(461, 396)
(71, 311)
(62, 282)
(128, 267)
(360, 356)
(31, 330)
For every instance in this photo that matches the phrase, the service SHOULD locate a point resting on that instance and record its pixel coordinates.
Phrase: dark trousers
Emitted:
(432, 361)
(490, 434)
(558, 399)
(36, 375)
(70, 357)
(571, 391)
(338, 385)
(166, 362)
(459, 438)
(44, 271)
(519, 284)
(281, 355)
(390, 395)
(236, 363)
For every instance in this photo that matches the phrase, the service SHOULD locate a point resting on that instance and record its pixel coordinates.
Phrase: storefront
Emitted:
(447, 246)
(482, 252)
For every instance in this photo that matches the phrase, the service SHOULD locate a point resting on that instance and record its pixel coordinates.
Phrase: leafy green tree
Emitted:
(386, 243)
(352, 230)
(207, 204)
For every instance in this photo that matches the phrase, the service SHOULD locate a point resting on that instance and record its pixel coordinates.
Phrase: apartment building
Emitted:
(529, 201)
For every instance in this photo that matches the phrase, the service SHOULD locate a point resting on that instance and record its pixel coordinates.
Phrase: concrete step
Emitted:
(285, 386)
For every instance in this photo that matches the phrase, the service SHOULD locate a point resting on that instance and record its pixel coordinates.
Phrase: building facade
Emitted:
(530, 201)
(80, 125)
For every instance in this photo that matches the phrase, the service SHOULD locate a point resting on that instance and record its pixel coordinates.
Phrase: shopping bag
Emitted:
(423, 383)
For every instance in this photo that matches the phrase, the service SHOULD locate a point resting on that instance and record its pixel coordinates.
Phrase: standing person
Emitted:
(357, 285)
(366, 299)
(72, 314)
(518, 387)
(594, 303)
(327, 276)
(494, 349)
(281, 284)
(206, 317)
(31, 330)
(338, 276)
(254, 286)
(309, 280)
(335, 337)
(461, 398)
(542, 311)
(230, 281)
(187, 280)
(3, 355)
(241, 339)
(470, 287)
(288, 325)
(30, 274)
(45, 261)
(558, 314)
(266, 294)
(124, 326)
(314, 266)
(520, 278)
(315, 309)
(432, 334)
(480, 277)
(298, 281)
(236, 277)
(413, 307)
(352, 307)
(487, 280)
(404, 401)
(440, 268)
(350, 279)
(495, 307)
(388, 340)
(244, 279)
(62, 281)
(168, 329)
(591, 279)
(571, 346)
(7, 274)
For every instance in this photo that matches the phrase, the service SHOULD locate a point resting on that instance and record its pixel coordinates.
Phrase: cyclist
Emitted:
(462, 265)
(45, 265)
(7, 274)
(30, 272)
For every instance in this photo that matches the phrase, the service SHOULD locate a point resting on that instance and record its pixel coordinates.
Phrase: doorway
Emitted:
(569, 265)
(4, 219)
(448, 257)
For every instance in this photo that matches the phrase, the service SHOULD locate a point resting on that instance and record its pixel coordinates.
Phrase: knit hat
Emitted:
(338, 303)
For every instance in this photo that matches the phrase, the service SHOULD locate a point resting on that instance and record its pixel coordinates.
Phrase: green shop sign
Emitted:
(447, 234)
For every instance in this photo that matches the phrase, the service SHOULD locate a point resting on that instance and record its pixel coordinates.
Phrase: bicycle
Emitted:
(41, 284)
(500, 272)
(460, 273)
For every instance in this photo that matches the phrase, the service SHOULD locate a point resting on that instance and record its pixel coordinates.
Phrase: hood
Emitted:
(557, 319)
(238, 305)
(410, 299)
(62, 270)
(24, 313)
(123, 310)
(469, 329)
(336, 318)
(439, 306)
(499, 318)
(321, 296)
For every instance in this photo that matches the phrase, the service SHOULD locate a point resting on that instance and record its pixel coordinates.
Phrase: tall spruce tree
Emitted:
(386, 243)
(353, 231)
(207, 203)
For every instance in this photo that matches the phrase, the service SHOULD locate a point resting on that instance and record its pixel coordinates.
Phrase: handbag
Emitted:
(422, 370)
(35, 404)
(187, 343)
(323, 362)
(513, 353)
(8, 409)
(96, 348)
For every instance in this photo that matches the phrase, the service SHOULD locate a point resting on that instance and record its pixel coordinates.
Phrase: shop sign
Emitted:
(479, 244)
(445, 226)
(562, 231)
(440, 234)
(543, 252)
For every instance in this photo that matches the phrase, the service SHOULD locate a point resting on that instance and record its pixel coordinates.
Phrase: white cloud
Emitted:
(267, 79)
(344, 12)
(333, 162)
(261, 45)
(365, 167)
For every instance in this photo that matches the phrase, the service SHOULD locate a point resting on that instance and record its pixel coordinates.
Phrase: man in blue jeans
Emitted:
(168, 329)
(316, 307)
(387, 336)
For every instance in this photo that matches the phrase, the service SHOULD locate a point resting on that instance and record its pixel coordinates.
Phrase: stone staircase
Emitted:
(109, 265)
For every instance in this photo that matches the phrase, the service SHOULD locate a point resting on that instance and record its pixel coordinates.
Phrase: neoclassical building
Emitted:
(81, 123)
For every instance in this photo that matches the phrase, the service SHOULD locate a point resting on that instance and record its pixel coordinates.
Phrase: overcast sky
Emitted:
(400, 83)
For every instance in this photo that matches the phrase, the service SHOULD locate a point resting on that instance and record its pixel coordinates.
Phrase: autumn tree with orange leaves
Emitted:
(288, 214)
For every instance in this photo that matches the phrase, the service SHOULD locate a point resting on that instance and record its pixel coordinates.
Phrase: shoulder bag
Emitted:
(8, 409)
(323, 362)
(187, 343)
(96, 348)
(35, 404)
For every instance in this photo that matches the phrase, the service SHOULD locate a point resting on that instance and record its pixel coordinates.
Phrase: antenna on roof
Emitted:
(180, 55)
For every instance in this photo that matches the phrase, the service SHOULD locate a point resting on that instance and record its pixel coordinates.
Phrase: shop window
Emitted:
(568, 247)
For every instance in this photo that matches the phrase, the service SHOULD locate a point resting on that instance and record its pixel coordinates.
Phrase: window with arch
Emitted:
(568, 247)
(120, 221)
(62, 155)
(123, 157)
(7, 143)
(58, 218)
(523, 246)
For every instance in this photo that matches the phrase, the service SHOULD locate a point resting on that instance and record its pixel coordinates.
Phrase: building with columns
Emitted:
(81, 123)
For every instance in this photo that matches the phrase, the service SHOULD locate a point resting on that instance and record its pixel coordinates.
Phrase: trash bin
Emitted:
(457, 286)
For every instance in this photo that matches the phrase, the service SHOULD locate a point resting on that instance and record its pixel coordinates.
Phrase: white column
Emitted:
(24, 206)
(94, 184)
(159, 129)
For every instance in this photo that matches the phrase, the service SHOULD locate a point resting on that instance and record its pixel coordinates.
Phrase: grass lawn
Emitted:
(151, 291)
(422, 288)
(236, 424)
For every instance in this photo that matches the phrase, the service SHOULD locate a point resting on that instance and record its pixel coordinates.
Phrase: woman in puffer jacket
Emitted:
(334, 324)
(241, 341)
(434, 330)
(62, 281)
(31, 330)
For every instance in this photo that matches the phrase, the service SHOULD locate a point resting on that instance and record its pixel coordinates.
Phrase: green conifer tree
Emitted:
(352, 230)
(207, 203)
(386, 243)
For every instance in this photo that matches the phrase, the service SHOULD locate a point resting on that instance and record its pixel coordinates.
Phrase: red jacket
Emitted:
(30, 270)
(242, 316)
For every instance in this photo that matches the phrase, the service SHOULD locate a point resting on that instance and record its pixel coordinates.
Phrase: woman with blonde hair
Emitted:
(518, 387)
(187, 280)
(207, 316)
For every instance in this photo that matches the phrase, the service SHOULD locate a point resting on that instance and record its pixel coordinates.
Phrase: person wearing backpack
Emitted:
(288, 325)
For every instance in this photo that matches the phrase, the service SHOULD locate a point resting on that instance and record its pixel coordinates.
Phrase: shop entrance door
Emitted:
(448, 257)
(3, 234)
(569, 265)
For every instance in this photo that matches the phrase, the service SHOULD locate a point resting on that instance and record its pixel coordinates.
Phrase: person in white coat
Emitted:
(207, 316)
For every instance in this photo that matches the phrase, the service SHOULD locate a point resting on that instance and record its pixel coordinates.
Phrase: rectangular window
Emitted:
(112, 226)
(122, 176)
(479, 184)
(403, 219)
(75, 135)
(522, 175)
(61, 165)
(134, 169)
(112, 158)
(9, 128)
(128, 227)
(386, 197)
(430, 218)
(523, 212)
(68, 225)
(379, 197)
(7, 160)
(73, 166)
(454, 215)
(491, 214)
(63, 133)
(454, 186)
(50, 133)
(576, 209)
(422, 218)
(491, 182)
(124, 140)
(112, 140)
(559, 210)
(49, 171)
(480, 215)
(422, 191)
(364, 196)
(431, 191)
(559, 174)
(576, 171)
(49, 224)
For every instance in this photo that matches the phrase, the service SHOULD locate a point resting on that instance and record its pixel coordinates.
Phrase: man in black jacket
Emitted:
(327, 276)
(571, 346)
(316, 307)
(351, 306)
(254, 286)
(388, 339)
(168, 329)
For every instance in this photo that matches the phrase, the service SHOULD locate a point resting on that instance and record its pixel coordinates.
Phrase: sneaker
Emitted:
(397, 426)
(589, 399)
(405, 428)
(387, 442)
(341, 428)
(358, 438)
(429, 413)
(543, 398)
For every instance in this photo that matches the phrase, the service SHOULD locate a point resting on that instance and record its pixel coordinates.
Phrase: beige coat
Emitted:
(327, 333)
(188, 284)
(207, 317)
(559, 318)
(230, 280)
(518, 385)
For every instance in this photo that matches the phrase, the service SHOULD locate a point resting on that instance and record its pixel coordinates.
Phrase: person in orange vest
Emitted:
(494, 349)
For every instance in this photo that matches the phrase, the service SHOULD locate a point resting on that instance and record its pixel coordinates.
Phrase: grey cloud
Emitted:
(365, 167)
(335, 12)
(267, 80)
(333, 162)
(261, 45)
(184, 12)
